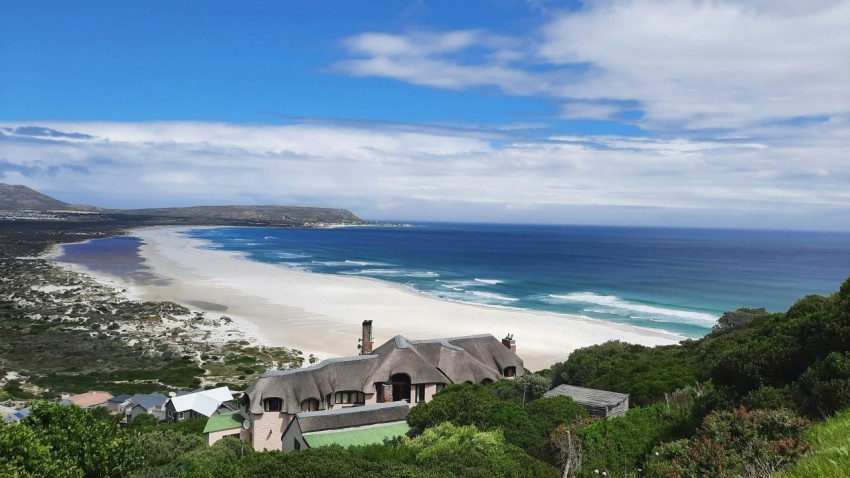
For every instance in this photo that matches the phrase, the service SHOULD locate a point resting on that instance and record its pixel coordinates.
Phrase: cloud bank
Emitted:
(389, 172)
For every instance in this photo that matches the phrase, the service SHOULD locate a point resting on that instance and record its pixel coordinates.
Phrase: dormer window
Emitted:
(273, 404)
(310, 405)
(510, 372)
(350, 398)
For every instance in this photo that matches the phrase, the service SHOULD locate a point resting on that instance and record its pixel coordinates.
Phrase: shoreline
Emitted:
(321, 313)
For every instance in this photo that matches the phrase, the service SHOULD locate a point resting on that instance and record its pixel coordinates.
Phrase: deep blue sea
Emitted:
(678, 280)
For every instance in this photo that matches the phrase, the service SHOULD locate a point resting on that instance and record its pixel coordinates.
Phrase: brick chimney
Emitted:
(509, 342)
(366, 341)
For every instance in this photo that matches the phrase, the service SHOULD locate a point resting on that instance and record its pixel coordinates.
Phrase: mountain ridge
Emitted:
(20, 197)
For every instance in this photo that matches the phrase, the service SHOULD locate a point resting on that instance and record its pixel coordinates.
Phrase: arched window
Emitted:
(510, 372)
(310, 405)
(273, 404)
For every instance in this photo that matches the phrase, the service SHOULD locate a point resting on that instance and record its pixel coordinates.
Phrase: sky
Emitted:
(721, 113)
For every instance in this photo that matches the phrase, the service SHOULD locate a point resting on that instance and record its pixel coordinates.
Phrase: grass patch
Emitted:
(830, 456)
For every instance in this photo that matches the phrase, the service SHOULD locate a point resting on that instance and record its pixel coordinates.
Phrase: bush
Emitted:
(735, 443)
(623, 443)
(474, 405)
(98, 448)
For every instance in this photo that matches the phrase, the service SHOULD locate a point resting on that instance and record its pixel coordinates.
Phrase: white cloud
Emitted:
(764, 180)
(688, 64)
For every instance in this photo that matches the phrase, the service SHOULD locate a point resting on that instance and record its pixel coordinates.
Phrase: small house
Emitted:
(226, 424)
(114, 403)
(205, 403)
(143, 403)
(599, 403)
(346, 426)
(89, 400)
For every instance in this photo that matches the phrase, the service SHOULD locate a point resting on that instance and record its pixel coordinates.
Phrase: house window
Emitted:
(297, 444)
(273, 404)
(420, 392)
(179, 415)
(352, 398)
(310, 405)
(441, 387)
(510, 372)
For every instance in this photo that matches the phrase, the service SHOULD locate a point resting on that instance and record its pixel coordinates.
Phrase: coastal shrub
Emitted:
(824, 388)
(466, 451)
(547, 414)
(161, 447)
(22, 454)
(520, 390)
(466, 404)
(621, 444)
(739, 318)
(99, 448)
(642, 372)
(733, 443)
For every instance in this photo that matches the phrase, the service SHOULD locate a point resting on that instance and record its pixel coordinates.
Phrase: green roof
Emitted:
(357, 436)
(224, 421)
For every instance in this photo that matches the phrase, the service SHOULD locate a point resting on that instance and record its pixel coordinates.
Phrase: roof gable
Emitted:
(588, 396)
(365, 435)
(352, 417)
(89, 399)
(205, 402)
(224, 421)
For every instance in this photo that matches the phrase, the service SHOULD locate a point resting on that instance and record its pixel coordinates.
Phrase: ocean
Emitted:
(677, 280)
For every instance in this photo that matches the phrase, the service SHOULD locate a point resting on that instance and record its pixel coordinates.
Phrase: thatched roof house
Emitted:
(472, 359)
(399, 370)
(599, 403)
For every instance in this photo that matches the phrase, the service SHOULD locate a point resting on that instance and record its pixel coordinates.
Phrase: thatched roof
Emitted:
(451, 360)
(588, 397)
(352, 417)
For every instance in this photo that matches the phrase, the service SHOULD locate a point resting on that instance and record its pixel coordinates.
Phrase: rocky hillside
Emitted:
(281, 215)
(18, 197)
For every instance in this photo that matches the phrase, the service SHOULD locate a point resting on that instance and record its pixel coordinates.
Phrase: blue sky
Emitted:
(727, 113)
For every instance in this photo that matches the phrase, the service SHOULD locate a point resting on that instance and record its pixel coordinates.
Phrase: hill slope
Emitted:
(261, 214)
(17, 197)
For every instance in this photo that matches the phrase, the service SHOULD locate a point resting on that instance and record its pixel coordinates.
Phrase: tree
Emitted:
(23, 455)
(739, 318)
(99, 448)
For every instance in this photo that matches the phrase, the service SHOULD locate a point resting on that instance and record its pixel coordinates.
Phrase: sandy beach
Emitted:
(322, 313)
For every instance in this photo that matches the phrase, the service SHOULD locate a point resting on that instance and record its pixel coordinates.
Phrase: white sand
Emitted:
(322, 313)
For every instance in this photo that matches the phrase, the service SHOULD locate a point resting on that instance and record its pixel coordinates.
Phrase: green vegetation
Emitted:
(621, 444)
(527, 428)
(830, 456)
(67, 441)
(735, 443)
(798, 359)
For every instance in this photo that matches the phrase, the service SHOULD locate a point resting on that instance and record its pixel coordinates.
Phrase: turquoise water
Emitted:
(679, 280)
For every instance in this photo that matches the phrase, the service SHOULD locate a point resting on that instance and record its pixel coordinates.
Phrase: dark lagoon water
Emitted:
(678, 280)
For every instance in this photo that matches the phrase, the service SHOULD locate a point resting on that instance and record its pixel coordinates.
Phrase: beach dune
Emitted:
(322, 313)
